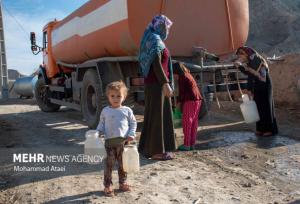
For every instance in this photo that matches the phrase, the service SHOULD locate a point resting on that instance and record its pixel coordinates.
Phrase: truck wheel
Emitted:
(42, 93)
(91, 98)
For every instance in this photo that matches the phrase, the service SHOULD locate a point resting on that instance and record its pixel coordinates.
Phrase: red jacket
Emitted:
(151, 78)
(188, 89)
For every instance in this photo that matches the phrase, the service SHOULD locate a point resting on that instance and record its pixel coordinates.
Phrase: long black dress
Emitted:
(263, 96)
(157, 136)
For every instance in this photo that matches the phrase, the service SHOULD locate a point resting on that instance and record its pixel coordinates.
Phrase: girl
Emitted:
(190, 102)
(118, 125)
(260, 86)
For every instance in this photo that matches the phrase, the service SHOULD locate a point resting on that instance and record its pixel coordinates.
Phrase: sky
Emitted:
(24, 16)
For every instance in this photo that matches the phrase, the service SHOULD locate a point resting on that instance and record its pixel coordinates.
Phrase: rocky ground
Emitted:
(275, 26)
(229, 165)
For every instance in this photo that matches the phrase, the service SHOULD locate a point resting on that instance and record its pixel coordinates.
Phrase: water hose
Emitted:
(227, 87)
(215, 89)
(202, 87)
(238, 82)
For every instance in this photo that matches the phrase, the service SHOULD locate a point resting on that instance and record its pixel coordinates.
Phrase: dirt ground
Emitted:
(229, 165)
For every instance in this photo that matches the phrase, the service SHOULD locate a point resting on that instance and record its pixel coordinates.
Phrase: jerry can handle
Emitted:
(131, 143)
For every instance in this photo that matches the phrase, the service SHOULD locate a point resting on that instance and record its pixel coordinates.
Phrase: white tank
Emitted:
(94, 149)
(131, 159)
(249, 110)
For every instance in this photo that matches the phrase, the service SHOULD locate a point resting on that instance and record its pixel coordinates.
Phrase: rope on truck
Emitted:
(227, 87)
(202, 90)
(238, 82)
(215, 89)
(11, 88)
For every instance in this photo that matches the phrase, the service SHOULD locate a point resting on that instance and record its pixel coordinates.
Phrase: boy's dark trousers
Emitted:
(114, 153)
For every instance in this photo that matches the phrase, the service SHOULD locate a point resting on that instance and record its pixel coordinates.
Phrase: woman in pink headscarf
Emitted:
(157, 138)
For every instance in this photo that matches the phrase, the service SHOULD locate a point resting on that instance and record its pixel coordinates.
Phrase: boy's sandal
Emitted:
(124, 187)
(108, 192)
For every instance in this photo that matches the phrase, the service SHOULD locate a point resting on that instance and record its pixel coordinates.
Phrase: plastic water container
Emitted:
(131, 159)
(249, 110)
(177, 115)
(94, 149)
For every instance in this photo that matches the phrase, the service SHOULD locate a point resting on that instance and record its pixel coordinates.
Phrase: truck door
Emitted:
(51, 67)
(45, 48)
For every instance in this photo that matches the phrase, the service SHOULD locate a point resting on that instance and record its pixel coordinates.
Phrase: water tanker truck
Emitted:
(99, 43)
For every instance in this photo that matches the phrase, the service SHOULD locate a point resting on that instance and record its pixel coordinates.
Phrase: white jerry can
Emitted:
(131, 159)
(94, 148)
(249, 110)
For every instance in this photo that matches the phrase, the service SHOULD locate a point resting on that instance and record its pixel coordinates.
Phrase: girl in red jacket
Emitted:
(190, 103)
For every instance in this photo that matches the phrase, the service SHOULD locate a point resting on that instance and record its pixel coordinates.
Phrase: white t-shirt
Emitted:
(117, 122)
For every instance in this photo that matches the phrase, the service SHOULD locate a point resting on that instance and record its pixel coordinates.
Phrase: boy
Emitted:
(118, 125)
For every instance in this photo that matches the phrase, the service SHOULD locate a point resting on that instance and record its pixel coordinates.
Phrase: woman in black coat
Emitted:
(260, 86)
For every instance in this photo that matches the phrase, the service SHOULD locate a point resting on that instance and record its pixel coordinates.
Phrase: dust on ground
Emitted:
(229, 165)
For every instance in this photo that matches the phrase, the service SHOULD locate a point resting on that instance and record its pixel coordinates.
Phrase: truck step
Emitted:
(68, 104)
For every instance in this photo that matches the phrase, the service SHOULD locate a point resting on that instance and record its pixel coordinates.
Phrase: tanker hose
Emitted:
(227, 87)
(202, 88)
(238, 82)
(215, 89)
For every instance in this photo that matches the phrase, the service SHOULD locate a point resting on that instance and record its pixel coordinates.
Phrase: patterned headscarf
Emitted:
(251, 56)
(161, 25)
(152, 42)
(249, 51)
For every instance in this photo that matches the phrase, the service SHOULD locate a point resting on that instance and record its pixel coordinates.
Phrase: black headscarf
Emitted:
(255, 60)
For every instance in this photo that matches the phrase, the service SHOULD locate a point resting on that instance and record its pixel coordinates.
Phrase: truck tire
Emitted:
(42, 96)
(91, 98)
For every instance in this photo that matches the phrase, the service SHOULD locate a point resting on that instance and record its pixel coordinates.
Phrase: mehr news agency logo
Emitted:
(39, 158)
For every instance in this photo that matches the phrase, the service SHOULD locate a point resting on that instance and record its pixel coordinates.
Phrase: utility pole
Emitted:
(3, 65)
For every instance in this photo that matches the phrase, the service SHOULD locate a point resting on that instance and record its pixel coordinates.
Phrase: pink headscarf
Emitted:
(161, 19)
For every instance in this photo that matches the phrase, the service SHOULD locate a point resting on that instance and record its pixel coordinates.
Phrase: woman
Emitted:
(157, 138)
(260, 86)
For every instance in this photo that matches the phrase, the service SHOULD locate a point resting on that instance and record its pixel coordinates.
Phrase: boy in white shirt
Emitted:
(118, 125)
